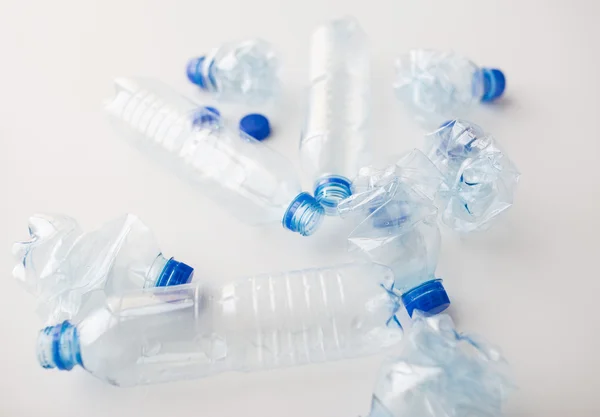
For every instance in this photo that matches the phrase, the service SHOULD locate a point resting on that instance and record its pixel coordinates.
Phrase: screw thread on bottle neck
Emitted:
(330, 191)
(304, 215)
(58, 347)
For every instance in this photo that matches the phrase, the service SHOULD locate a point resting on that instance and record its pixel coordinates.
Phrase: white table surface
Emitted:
(530, 285)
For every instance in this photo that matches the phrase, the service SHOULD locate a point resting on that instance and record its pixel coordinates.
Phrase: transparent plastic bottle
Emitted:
(67, 268)
(247, 178)
(335, 142)
(238, 71)
(441, 372)
(395, 225)
(249, 324)
(437, 86)
(479, 178)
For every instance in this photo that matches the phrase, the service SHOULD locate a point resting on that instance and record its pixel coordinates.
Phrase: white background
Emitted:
(530, 285)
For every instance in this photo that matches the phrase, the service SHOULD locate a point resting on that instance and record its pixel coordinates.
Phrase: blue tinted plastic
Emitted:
(58, 347)
(66, 268)
(249, 324)
(238, 71)
(245, 177)
(394, 222)
(330, 190)
(442, 373)
(206, 115)
(435, 86)
(304, 215)
(335, 141)
(479, 178)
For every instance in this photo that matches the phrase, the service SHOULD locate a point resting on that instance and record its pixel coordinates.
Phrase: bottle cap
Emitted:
(494, 84)
(429, 297)
(206, 115)
(174, 273)
(194, 71)
(255, 125)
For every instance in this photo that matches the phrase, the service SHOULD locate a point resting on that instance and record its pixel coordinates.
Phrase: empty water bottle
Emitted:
(66, 268)
(249, 324)
(335, 142)
(395, 225)
(437, 86)
(442, 373)
(479, 179)
(244, 176)
(238, 71)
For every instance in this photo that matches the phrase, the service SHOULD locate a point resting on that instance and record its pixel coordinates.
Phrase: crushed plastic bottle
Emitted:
(65, 268)
(394, 220)
(247, 178)
(437, 86)
(335, 141)
(442, 373)
(479, 179)
(249, 324)
(238, 71)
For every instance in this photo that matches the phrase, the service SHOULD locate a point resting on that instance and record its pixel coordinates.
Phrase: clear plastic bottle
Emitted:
(440, 372)
(66, 268)
(245, 177)
(479, 178)
(395, 225)
(249, 324)
(437, 86)
(335, 143)
(238, 71)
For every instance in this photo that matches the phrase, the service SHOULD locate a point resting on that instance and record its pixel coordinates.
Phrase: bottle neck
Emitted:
(58, 347)
(330, 191)
(168, 272)
(304, 215)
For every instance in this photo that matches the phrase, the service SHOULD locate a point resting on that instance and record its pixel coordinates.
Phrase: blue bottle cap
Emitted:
(429, 297)
(206, 115)
(255, 125)
(494, 84)
(174, 273)
(194, 71)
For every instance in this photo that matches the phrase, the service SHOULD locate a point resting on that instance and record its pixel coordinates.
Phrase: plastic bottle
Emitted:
(479, 178)
(395, 225)
(441, 372)
(335, 142)
(249, 324)
(437, 86)
(245, 177)
(238, 71)
(67, 268)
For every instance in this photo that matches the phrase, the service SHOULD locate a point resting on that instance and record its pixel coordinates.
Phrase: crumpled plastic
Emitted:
(479, 179)
(442, 373)
(65, 268)
(437, 85)
(394, 219)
